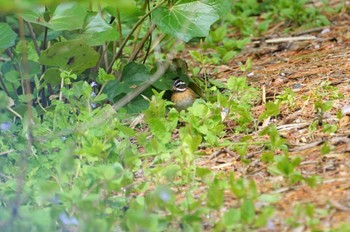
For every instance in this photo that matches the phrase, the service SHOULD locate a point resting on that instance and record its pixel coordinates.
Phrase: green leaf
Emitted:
(7, 36)
(247, 211)
(4, 100)
(103, 76)
(73, 55)
(264, 216)
(97, 31)
(237, 84)
(35, 15)
(141, 220)
(323, 106)
(326, 148)
(135, 75)
(267, 156)
(202, 172)
(186, 20)
(67, 16)
(159, 129)
(171, 172)
(231, 217)
(238, 187)
(272, 109)
(222, 7)
(285, 166)
(215, 194)
(51, 76)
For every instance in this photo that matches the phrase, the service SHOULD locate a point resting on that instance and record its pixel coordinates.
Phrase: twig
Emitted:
(14, 112)
(338, 205)
(293, 126)
(119, 27)
(290, 39)
(221, 151)
(3, 85)
(150, 37)
(144, 39)
(264, 94)
(7, 152)
(306, 146)
(317, 29)
(32, 34)
(222, 165)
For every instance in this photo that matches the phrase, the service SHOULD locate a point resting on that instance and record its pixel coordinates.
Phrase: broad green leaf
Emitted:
(4, 100)
(186, 20)
(36, 15)
(141, 220)
(51, 76)
(272, 109)
(215, 195)
(231, 217)
(137, 105)
(73, 55)
(247, 211)
(264, 216)
(202, 172)
(97, 31)
(222, 7)
(158, 129)
(7, 36)
(133, 76)
(67, 16)
(285, 166)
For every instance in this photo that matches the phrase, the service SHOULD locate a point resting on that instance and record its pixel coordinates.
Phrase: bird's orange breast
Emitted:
(184, 99)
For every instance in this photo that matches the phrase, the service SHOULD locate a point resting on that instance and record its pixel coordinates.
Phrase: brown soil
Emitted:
(303, 66)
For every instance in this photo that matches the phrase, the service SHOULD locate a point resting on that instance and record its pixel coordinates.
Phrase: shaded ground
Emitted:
(311, 68)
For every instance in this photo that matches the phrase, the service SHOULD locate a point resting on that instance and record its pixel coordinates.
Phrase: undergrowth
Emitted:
(75, 152)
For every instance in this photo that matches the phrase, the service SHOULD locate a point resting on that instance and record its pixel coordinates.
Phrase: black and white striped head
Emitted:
(179, 86)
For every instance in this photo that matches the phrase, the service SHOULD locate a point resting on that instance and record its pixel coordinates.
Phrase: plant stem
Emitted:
(32, 34)
(144, 39)
(120, 51)
(3, 85)
(150, 37)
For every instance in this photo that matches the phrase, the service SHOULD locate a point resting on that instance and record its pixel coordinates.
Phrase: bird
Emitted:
(182, 96)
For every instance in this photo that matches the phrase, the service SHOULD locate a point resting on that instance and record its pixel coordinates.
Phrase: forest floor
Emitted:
(316, 67)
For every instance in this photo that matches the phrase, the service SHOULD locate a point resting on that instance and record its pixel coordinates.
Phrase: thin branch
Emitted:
(25, 79)
(119, 27)
(150, 37)
(143, 41)
(32, 34)
(3, 85)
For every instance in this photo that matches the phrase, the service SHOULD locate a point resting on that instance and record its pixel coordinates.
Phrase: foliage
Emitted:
(72, 77)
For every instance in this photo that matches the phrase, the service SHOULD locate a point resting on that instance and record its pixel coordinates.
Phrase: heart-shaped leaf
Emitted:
(97, 31)
(186, 20)
(73, 55)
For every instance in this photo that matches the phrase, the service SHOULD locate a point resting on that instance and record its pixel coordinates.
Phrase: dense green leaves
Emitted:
(71, 162)
(7, 36)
